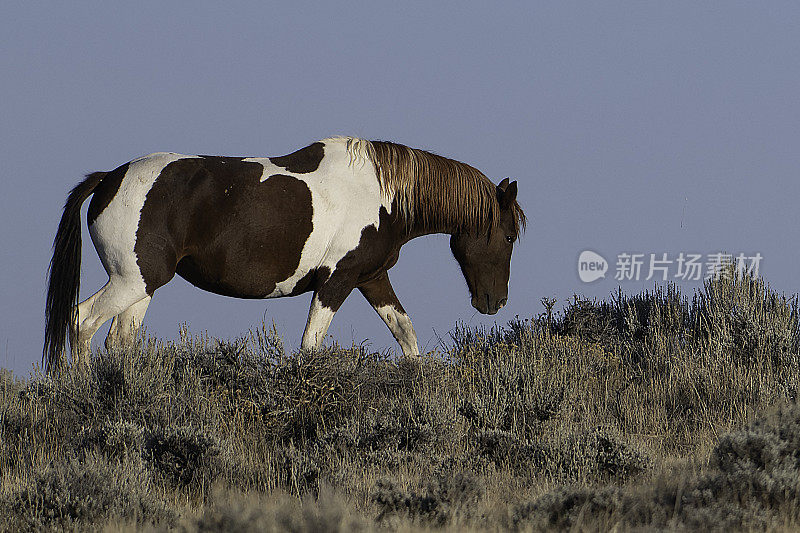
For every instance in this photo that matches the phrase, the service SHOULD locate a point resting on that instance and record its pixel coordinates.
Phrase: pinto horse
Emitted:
(327, 218)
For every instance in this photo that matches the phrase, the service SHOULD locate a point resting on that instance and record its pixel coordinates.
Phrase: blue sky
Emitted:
(632, 127)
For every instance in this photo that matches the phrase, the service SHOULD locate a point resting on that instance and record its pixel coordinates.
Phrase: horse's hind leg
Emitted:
(126, 324)
(115, 297)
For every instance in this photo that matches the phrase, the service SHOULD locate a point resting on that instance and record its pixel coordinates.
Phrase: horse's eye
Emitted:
(509, 238)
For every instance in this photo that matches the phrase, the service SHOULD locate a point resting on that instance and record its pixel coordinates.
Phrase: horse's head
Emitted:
(485, 259)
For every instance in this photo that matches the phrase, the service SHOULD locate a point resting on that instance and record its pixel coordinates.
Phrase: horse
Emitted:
(327, 218)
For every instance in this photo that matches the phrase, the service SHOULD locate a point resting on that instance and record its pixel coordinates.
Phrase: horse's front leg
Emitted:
(381, 297)
(326, 301)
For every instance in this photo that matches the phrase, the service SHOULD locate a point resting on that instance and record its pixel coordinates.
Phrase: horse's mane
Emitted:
(434, 192)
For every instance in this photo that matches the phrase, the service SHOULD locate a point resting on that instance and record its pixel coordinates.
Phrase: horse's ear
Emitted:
(507, 195)
(501, 187)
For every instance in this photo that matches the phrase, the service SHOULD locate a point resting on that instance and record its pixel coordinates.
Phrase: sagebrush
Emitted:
(651, 411)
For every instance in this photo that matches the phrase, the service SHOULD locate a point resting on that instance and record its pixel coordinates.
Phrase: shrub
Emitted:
(184, 455)
(86, 491)
(446, 495)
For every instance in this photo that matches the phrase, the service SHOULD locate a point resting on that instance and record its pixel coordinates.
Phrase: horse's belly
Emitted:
(241, 279)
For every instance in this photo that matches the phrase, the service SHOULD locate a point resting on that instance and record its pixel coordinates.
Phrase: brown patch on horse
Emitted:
(212, 220)
(379, 293)
(105, 191)
(302, 161)
(435, 193)
(312, 280)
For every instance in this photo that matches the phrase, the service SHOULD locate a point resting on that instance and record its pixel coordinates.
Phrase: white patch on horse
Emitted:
(401, 327)
(345, 198)
(319, 319)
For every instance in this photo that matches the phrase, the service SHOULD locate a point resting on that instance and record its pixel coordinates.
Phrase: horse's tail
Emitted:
(65, 274)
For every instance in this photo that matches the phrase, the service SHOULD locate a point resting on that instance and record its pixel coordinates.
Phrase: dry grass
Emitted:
(644, 412)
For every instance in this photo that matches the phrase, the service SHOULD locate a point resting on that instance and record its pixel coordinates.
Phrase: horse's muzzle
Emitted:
(488, 305)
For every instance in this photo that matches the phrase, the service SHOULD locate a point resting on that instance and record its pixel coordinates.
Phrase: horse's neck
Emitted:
(407, 231)
(417, 230)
